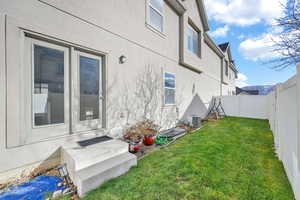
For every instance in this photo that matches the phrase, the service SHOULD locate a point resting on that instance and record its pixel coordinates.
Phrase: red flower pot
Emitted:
(149, 140)
(135, 147)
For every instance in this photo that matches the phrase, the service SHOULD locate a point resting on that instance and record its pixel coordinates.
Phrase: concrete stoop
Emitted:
(91, 166)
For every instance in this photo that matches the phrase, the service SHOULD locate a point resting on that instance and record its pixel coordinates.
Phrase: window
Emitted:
(89, 88)
(193, 40)
(169, 85)
(226, 67)
(156, 17)
(48, 93)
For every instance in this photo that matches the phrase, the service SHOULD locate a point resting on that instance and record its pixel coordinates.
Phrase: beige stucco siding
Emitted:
(2, 83)
(129, 22)
(212, 62)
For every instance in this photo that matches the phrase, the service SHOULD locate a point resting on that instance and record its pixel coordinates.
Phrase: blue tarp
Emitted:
(33, 190)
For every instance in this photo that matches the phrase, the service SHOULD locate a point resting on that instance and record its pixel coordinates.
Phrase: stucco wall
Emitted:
(212, 62)
(228, 89)
(2, 84)
(92, 26)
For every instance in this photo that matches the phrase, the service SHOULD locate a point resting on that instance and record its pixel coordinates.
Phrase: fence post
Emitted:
(276, 121)
(298, 113)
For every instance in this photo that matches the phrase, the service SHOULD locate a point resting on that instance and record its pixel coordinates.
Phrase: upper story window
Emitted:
(226, 67)
(193, 40)
(169, 84)
(156, 14)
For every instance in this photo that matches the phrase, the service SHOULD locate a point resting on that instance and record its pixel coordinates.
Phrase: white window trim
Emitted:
(148, 23)
(164, 73)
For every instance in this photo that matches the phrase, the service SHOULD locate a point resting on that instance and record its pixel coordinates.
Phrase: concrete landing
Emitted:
(92, 165)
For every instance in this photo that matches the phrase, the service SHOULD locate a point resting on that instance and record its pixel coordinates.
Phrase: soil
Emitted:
(36, 172)
(146, 150)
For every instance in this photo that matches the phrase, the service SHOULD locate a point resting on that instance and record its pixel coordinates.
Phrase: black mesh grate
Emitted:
(95, 140)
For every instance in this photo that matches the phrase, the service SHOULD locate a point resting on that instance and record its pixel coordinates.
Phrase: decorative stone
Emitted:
(66, 191)
(57, 193)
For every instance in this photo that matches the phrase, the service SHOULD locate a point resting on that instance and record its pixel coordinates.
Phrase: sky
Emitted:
(249, 27)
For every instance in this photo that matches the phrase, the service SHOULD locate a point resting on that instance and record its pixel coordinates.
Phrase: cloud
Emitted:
(220, 32)
(241, 81)
(244, 12)
(259, 48)
(241, 37)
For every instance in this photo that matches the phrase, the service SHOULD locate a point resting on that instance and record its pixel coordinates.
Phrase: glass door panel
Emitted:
(87, 92)
(89, 88)
(48, 92)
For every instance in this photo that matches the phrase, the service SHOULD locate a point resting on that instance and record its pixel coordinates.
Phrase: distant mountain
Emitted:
(263, 89)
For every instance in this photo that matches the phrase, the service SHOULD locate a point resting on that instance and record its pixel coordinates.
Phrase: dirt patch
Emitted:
(24, 178)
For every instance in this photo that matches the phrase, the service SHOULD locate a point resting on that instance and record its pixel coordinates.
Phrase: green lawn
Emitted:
(228, 159)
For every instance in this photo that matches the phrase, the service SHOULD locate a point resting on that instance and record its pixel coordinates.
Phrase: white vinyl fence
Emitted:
(284, 121)
(282, 108)
(246, 106)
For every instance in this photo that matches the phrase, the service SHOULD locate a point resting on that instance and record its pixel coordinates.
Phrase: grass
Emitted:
(228, 159)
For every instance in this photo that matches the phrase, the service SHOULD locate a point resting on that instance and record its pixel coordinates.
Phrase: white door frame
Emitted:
(71, 123)
(87, 125)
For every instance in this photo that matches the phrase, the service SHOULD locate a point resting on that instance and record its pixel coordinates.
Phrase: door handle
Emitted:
(101, 97)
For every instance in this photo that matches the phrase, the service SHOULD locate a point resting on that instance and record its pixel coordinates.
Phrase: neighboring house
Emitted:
(240, 91)
(262, 89)
(229, 71)
(70, 69)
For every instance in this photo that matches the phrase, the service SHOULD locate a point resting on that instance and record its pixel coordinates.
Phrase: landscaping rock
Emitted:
(66, 191)
(57, 193)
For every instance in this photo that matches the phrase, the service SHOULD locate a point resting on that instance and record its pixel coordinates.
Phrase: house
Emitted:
(72, 71)
(229, 71)
(240, 91)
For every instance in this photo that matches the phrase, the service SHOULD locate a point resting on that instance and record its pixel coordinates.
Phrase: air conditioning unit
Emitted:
(195, 121)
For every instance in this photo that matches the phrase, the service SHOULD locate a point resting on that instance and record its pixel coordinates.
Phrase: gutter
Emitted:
(177, 6)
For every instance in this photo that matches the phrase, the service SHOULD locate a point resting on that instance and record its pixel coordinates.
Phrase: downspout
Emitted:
(221, 85)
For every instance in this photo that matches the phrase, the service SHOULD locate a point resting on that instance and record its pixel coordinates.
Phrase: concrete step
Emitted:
(84, 157)
(91, 166)
(92, 177)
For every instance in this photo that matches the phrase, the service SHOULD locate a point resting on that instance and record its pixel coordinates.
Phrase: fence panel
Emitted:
(246, 106)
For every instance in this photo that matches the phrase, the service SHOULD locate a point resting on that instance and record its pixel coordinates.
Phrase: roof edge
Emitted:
(203, 15)
(177, 6)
